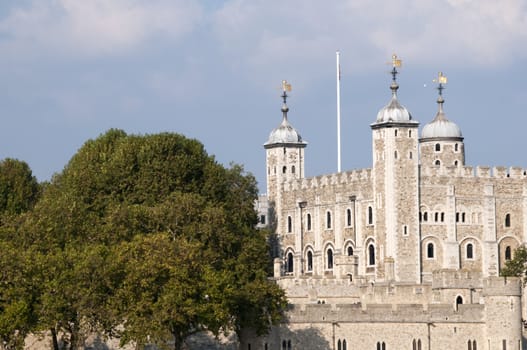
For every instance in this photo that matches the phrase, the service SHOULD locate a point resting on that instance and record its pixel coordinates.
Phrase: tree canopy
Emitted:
(147, 238)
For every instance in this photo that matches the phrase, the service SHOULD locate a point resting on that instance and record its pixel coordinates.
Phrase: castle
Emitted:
(403, 255)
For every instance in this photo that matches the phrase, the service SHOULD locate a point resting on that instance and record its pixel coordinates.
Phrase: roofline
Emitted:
(302, 144)
(441, 138)
(392, 124)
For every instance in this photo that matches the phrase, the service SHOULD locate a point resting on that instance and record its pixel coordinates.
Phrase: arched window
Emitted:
(289, 345)
(339, 345)
(266, 347)
(348, 217)
(378, 345)
(437, 162)
(329, 261)
(284, 345)
(308, 222)
(414, 345)
(293, 169)
(474, 345)
(249, 346)
(430, 250)
(459, 301)
(469, 345)
(289, 263)
(371, 254)
(470, 251)
(289, 224)
(350, 250)
(383, 346)
(508, 220)
(284, 169)
(438, 147)
(425, 216)
(418, 344)
(508, 253)
(455, 163)
(370, 216)
(328, 219)
(344, 345)
(309, 261)
(405, 230)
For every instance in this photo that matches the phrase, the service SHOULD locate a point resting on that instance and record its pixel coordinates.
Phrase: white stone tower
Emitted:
(395, 205)
(441, 142)
(284, 155)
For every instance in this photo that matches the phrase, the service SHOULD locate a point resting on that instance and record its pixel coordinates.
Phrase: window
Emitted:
(504, 342)
(395, 132)
(474, 345)
(437, 163)
(459, 301)
(470, 251)
(309, 261)
(442, 217)
(507, 253)
(457, 217)
(425, 217)
(455, 163)
(289, 224)
(438, 147)
(289, 345)
(370, 216)
(456, 147)
(409, 133)
(395, 154)
(371, 255)
(350, 250)
(416, 344)
(410, 155)
(249, 346)
(284, 170)
(508, 220)
(469, 345)
(436, 217)
(348, 217)
(405, 230)
(289, 263)
(420, 216)
(308, 222)
(284, 345)
(339, 345)
(430, 250)
(262, 219)
(328, 219)
(266, 347)
(344, 345)
(293, 169)
(462, 217)
(329, 261)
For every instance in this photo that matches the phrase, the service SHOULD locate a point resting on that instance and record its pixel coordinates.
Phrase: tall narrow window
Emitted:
(418, 344)
(504, 342)
(425, 216)
(508, 220)
(329, 259)
(370, 216)
(371, 255)
(414, 345)
(469, 345)
(438, 147)
(350, 250)
(289, 345)
(507, 253)
(309, 261)
(470, 251)
(284, 169)
(420, 216)
(430, 250)
(344, 345)
(459, 301)
(328, 220)
(293, 169)
(457, 217)
(462, 217)
(395, 154)
(395, 132)
(437, 162)
(442, 217)
(289, 263)
(339, 345)
(474, 345)
(436, 217)
(289, 224)
(409, 133)
(348, 217)
(456, 147)
(284, 345)
(308, 222)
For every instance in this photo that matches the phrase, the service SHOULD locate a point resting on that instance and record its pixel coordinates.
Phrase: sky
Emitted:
(212, 70)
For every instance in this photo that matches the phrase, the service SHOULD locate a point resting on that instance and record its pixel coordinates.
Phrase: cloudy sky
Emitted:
(211, 70)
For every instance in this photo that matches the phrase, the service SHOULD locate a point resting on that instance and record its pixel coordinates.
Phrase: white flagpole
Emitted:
(338, 111)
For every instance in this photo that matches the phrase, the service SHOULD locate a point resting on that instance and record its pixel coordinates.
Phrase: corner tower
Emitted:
(441, 142)
(284, 154)
(395, 186)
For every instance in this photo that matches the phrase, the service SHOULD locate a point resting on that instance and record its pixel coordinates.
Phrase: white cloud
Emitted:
(453, 32)
(94, 27)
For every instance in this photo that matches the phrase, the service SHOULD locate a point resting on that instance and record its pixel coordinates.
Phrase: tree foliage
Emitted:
(147, 238)
(518, 265)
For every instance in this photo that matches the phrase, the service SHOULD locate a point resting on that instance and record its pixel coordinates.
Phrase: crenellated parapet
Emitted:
(456, 279)
(329, 180)
(502, 286)
(483, 172)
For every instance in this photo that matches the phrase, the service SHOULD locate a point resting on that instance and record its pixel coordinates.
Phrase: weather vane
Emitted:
(441, 80)
(285, 88)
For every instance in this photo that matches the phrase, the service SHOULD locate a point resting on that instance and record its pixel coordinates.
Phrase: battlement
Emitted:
(456, 279)
(371, 313)
(485, 172)
(348, 177)
(502, 286)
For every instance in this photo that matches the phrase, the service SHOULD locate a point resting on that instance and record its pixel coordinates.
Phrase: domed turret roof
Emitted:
(441, 127)
(285, 133)
(393, 112)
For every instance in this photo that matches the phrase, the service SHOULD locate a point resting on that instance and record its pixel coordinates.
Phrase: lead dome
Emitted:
(441, 127)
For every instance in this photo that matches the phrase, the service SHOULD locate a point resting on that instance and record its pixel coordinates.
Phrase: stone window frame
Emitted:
(349, 217)
(289, 255)
(437, 147)
(369, 247)
(349, 244)
(433, 251)
(507, 221)
(370, 216)
(289, 224)
(310, 266)
(329, 264)
(328, 222)
(472, 251)
(309, 222)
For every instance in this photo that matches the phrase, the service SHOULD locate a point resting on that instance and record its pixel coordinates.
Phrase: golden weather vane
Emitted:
(396, 62)
(441, 78)
(286, 86)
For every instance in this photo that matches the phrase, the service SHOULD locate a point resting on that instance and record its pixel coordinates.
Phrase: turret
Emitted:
(441, 142)
(395, 183)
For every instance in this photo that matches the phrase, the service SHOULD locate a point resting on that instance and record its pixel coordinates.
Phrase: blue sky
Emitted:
(211, 70)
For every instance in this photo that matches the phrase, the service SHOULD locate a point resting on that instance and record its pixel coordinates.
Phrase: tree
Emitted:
(149, 232)
(518, 266)
(19, 189)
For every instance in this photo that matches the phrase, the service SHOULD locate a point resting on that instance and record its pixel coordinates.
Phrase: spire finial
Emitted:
(285, 88)
(396, 63)
(441, 81)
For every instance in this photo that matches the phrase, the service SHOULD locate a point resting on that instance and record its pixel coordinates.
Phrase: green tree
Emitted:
(518, 266)
(19, 189)
(149, 232)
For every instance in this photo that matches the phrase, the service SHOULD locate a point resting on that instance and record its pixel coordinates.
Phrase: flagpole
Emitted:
(338, 111)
